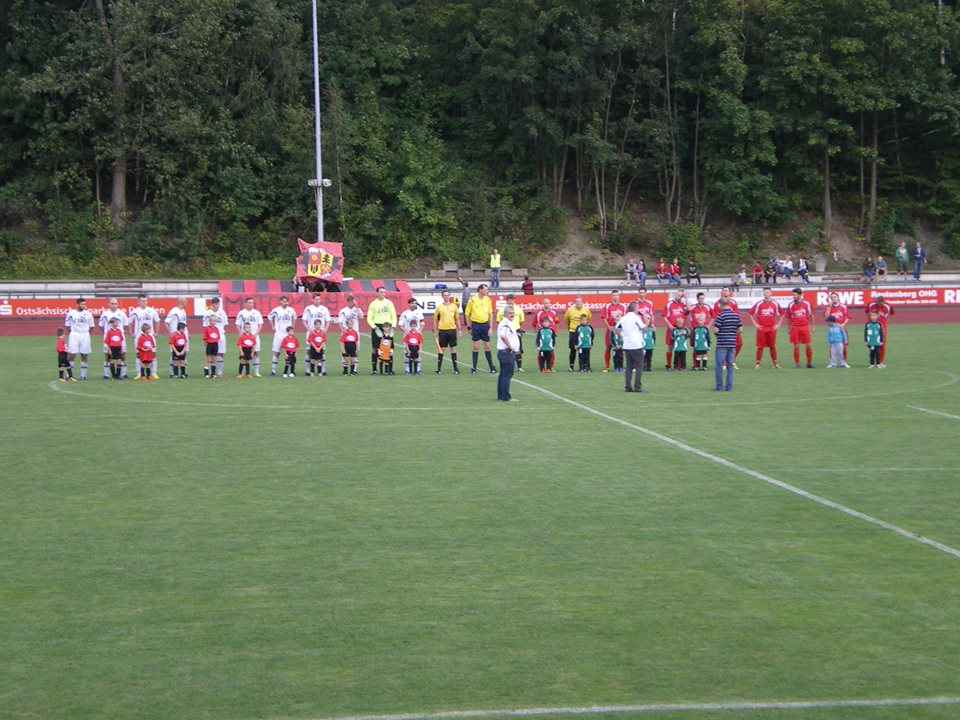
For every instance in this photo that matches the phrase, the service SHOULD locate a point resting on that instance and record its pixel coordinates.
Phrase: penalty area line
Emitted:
(747, 471)
(934, 412)
(652, 709)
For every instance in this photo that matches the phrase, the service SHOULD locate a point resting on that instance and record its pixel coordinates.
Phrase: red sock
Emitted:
(759, 355)
(773, 355)
(809, 355)
(881, 352)
(669, 358)
(844, 352)
(736, 351)
(606, 359)
(796, 354)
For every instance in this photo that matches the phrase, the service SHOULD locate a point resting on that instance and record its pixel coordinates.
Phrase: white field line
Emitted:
(934, 412)
(747, 471)
(652, 709)
(867, 471)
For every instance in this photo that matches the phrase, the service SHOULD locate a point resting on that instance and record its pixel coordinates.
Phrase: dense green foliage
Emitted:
(181, 130)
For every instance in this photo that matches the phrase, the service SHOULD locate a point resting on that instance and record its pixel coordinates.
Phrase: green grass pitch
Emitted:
(320, 548)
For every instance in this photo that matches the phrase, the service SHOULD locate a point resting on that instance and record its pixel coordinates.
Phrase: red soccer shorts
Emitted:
(800, 335)
(766, 338)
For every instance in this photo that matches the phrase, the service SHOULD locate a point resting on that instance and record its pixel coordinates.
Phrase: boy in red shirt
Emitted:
(412, 342)
(211, 341)
(63, 360)
(146, 351)
(289, 344)
(247, 341)
(348, 344)
(113, 339)
(316, 354)
(178, 351)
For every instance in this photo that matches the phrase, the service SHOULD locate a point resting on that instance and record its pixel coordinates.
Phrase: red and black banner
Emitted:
(319, 261)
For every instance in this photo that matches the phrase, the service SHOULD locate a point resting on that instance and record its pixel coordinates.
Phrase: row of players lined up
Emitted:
(478, 315)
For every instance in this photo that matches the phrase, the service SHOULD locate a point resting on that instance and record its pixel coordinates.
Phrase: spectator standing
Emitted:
(495, 268)
(526, 287)
(919, 257)
(728, 327)
(902, 257)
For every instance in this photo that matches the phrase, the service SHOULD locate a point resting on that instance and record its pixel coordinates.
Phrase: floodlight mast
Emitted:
(318, 182)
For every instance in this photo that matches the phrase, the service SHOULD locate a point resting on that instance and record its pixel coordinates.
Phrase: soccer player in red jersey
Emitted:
(767, 317)
(676, 308)
(348, 344)
(178, 350)
(611, 314)
(883, 311)
(114, 340)
(841, 314)
(800, 314)
(212, 335)
(316, 355)
(727, 294)
(701, 311)
(549, 315)
(645, 307)
(247, 342)
(146, 351)
(63, 363)
(289, 344)
(412, 342)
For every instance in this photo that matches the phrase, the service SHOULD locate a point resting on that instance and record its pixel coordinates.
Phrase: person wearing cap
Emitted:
(800, 315)
(79, 322)
(478, 314)
(215, 316)
(413, 315)
(381, 310)
(508, 345)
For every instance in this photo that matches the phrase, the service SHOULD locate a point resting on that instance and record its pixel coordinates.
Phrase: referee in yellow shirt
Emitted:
(446, 321)
(478, 313)
(517, 325)
(571, 319)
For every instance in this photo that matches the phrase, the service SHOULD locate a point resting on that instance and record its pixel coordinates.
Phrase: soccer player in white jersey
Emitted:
(106, 316)
(173, 318)
(412, 316)
(79, 322)
(350, 311)
(249, 315)
(312, 313)
(281, 317)
(217, 317)
(139, 316)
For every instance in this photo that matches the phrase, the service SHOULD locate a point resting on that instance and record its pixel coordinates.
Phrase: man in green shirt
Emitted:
(380, 311)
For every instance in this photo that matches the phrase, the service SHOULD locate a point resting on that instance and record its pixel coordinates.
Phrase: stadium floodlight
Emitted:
(319, 182)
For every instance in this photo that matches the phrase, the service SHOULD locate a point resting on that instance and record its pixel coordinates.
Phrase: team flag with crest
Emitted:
(319, 261)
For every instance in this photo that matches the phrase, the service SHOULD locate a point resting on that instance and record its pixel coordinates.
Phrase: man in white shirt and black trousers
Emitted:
(631, 327)
(508, 345)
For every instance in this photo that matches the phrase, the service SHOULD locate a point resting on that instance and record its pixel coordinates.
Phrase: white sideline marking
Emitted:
(747, 471)
(934, 412)
(661, 708)
(865, 470)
